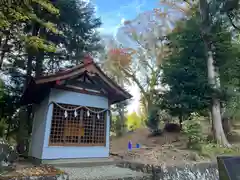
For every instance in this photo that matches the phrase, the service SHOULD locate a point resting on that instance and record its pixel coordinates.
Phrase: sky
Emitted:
(113, 13)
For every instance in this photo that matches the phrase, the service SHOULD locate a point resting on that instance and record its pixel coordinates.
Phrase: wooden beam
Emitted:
(80, 90)
(67, 75)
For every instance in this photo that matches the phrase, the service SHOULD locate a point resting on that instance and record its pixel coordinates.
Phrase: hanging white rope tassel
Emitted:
(88, 113)
(65, 114)
(75, 113)
(89, 110)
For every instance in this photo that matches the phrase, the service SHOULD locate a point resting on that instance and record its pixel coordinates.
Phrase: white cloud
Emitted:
(122, 21)
(134, 105)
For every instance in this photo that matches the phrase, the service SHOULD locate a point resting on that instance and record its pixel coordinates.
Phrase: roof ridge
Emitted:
(61, 72)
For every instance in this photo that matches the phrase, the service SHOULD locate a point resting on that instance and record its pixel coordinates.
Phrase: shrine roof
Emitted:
(38, 88)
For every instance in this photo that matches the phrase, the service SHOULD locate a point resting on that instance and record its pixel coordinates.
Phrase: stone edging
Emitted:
(63, 176)
(154, 170)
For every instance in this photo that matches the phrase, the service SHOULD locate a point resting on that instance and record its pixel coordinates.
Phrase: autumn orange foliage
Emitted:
(121, 56)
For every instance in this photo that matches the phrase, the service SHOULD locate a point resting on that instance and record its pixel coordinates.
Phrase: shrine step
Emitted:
(109, 172)
(84, 162)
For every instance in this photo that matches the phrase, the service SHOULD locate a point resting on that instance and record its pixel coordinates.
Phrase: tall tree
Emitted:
(140, 58)
(112, 69)
(16, 15)
(213, 77)
(46, 40)
(79, 35)
(184, 70)
(208, 14)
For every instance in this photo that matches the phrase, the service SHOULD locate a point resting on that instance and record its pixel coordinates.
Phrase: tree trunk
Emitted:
(227, 125)
(120, 108)
(26, 111)
(181, 118)
(39, 64)
(206, 23)
(216, 108)
(40, 56)
(4, 48)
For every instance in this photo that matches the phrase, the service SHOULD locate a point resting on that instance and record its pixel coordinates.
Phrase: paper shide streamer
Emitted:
(89, 111)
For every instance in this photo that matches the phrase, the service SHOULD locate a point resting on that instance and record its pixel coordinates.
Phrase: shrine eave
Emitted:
(98, 84)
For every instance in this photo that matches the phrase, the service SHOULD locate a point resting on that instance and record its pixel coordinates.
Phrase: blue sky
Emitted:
(112, 12)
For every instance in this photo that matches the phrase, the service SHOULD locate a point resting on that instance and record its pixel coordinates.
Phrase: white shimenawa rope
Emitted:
(79, 107)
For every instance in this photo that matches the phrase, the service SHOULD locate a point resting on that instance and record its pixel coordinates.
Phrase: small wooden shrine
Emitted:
(71, 112)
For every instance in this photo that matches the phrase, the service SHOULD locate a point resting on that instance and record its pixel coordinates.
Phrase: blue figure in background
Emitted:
(129, 145)
(137, 146)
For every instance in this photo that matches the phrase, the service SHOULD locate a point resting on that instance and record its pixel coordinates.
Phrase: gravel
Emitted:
(101, 172)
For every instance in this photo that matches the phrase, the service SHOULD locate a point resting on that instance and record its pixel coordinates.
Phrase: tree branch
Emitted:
(232, 23)
(136, 81)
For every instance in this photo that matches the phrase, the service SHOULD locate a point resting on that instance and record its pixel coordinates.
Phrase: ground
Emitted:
(101, 173)
(25, 169)
(168, 149)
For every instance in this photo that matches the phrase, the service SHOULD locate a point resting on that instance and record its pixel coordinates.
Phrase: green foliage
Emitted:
(8, 106)
(27, 12)
(185, 69)
(116, 126)
(134, 121)
(233, 106)
(3, 127)
(212, 150)
(36, 43)
(153, 121)
(192, 129)
(79, 33)
(197, 141)
(38, 37)
(1, 90)
(118, 123)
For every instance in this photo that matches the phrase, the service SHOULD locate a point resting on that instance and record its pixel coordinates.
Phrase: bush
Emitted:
(133, 121)
(192, 129)
(164, 116)
(153, 120)
(172, 127)
(196, 141)
(155, 133)
(3, 127)
(212, 150)
(116, 126)
(8, 154)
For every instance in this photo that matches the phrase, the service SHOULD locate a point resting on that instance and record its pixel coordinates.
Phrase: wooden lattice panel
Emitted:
(86, 129)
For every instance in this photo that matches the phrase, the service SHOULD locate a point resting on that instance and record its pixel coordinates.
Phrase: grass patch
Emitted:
(212, 150)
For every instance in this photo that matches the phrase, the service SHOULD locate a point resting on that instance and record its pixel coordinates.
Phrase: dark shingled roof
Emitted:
(38, 88)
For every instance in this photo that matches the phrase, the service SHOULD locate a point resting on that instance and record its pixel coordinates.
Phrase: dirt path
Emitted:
(169, 148)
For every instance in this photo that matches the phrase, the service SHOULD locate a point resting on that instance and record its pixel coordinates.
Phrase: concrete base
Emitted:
(83, 162)
(104, 173)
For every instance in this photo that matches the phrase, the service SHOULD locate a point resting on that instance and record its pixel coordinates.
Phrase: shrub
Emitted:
(3, 127)
(172, 127)
(192, 129)
(212, 150)
(153, 120)
(133, 121)
(8, 154)
(164, 116)
(154, 133)
(116, 126)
